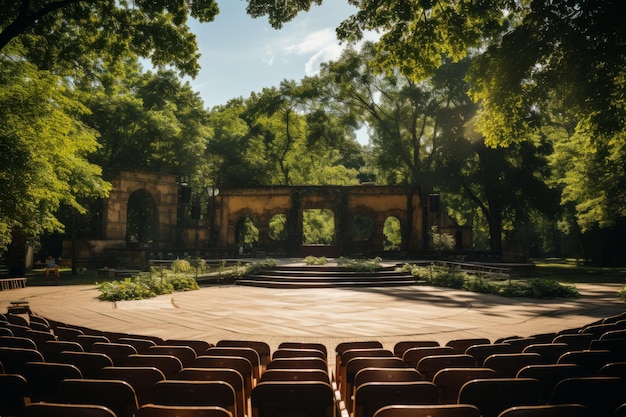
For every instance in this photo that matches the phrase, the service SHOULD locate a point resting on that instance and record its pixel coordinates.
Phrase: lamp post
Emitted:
(212, 192)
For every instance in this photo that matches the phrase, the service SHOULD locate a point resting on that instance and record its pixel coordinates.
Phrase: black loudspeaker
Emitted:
(433, 203)
(195, 212)
(185, 194)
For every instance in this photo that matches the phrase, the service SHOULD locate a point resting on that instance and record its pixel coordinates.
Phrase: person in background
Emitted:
(51, 265)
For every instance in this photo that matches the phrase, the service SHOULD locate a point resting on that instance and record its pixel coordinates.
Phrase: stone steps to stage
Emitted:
(316, 276)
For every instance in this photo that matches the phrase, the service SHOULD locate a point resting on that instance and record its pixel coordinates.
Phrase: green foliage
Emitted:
(256, 267)
(454, 278)
(441, 241)
(147, 284)
(314, 260)
(360, 265)
(318, 227)
(181, 266)
(622, 293)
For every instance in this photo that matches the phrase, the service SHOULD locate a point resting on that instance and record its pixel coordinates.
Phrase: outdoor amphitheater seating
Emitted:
(44, 378)
(237, 363)
(614, 334)
(401, 347)
(5, 331)
(298, 353)
(613, 369)
(371, 396)
(342, 347)
(519, 343)
(154, 410)
(168, 364)
(89, 363)
(411, 357)
(450, 380)
(561, 410)
(286, 375)
(199, 346)
(298, 363)
(185, 354)
(447, 410)
(16, 329)
(494, 395)
(118, 352)
(196, 393)
(39, 337)
(372, 374)
(17, 319)
(355, 365)
(141, 378)
(550, 352)
(304, 345)
(15, 394)
(461, 345)
(550, 375)
(67, 333)
(245, 352)
(87, 340)
(482, 352)
(578, 341)
(620, 411)
(590, 361)
(51, 349)
(507, 365)
(119, 396)
(600, 394)
(313, 399)
(230, 376)
(261, 348)
(141, 345)
(13, 359)
(17, 342)
(66, 410)
(428, 366)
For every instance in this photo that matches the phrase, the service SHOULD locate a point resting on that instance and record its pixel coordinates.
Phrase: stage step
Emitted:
(316, 276)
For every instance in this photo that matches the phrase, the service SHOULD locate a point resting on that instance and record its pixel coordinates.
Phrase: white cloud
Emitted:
(329, 53)
(313, 42)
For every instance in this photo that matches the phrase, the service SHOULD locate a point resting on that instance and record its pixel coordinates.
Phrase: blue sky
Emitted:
(241, 55)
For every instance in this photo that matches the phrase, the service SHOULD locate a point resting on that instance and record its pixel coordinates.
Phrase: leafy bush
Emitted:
(259, 266)
(537, 288)
(181, 265)
(313, 260)
(622, 293)
(360, 265)
(146, 285)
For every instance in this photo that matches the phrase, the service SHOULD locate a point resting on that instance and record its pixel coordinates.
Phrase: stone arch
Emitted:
(141, 219)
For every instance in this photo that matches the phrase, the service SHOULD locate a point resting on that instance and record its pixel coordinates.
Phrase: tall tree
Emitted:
(43, 151)
(77, 33)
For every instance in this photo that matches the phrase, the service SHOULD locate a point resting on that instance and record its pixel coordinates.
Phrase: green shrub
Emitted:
(146, 285)
(313, 260)
(549, 288)
(181, 265)
(259, 266)
(360, 265)
(622, 293)
(450, 279)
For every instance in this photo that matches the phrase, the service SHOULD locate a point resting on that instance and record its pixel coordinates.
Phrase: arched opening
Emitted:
(392, 234)
(361, 228)
(141, 219)
(277, 227)
(318, 227)
(246, 233)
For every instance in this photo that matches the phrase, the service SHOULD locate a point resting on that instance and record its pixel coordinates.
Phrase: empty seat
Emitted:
(304, 345)
(313, 399)
(461, 345)
(196, 393)
(155, 410)
(141, 378)
(141, 345)
(199, 346)
(446, 410)
(87, 340)
(89, 363)
(507, 365)
(578, 341)
(14, 358)
(15, 394)
(286, 375)
(494, 395)
(44, 377)
(230, 376)
(401, 347)
(450, 380)
(245, 352)
(372, 396)
(590, 361)
(52, 348)
(550, 352)
(118, 396)
(561, 410)
(261, 348)
(237, 363)
(613, 369)
(412, 356)
(67, 333)
(549, 375)
(40, 337)
(168, 364)
(616, 346)
(428, 366)
(482, 352)
(355, 365)
(17, 342)
(298, 363)
(298, 353)
(118, 352)
(614, 334)
(66, 410)
(185, 353)
(600, 394)
(386, 375)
